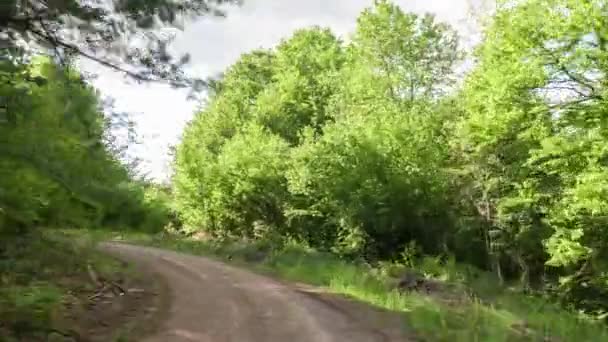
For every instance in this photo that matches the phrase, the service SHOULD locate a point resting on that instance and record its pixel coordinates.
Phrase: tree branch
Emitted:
(41, 30)
(73, 48)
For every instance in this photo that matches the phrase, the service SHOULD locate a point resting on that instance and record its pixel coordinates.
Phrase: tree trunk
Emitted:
(525, 273)
(492, 252)
(497, 268)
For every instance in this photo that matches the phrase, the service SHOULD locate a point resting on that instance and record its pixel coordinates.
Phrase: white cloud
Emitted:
(216, 43)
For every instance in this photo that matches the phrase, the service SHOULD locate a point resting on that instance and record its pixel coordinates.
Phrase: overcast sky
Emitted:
(214, 43)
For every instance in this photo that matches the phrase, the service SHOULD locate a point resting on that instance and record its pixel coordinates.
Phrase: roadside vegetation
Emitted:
(60, 167)
(468, 304)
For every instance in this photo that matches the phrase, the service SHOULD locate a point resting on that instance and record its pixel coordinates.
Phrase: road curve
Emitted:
(215, 302)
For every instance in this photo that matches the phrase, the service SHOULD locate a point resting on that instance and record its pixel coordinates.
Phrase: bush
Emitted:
(372, 177)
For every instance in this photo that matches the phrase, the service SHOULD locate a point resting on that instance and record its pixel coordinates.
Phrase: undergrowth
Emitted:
(39, 271)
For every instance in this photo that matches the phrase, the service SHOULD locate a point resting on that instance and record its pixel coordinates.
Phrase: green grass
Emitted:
(502, 316)
(37, 272)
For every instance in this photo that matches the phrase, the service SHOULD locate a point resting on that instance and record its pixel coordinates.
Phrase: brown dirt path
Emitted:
(215, 302)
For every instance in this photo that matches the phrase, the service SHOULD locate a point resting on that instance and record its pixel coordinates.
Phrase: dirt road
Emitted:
(214, 302)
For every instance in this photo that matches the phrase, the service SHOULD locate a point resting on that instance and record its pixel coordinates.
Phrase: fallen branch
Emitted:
(112, 286)
(115, 285)
(98, 293)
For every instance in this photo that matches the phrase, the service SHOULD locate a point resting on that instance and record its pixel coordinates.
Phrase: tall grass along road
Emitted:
(212, 301)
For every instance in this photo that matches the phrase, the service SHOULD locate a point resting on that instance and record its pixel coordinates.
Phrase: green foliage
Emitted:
(349, 164)
(58, 167)
(58, 163)
(532, 140)
(410, 56)
(230, 166)
(368, 147)
(39, 270)
(245, 184)
(305, 74)
(28, 309)
(370, 173)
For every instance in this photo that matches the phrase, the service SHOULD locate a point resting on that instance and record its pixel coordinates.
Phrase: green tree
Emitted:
(266, 95)
(399, 57)
(369, 184)
(304, 80)
(228, 110)
(530, 140)
(57, 167)
(361, 165)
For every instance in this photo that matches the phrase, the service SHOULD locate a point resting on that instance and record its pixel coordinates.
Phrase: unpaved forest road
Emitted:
(214, 302)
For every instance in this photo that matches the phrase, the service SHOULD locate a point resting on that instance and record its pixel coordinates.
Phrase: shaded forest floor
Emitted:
(59, 288)
(453, 311)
